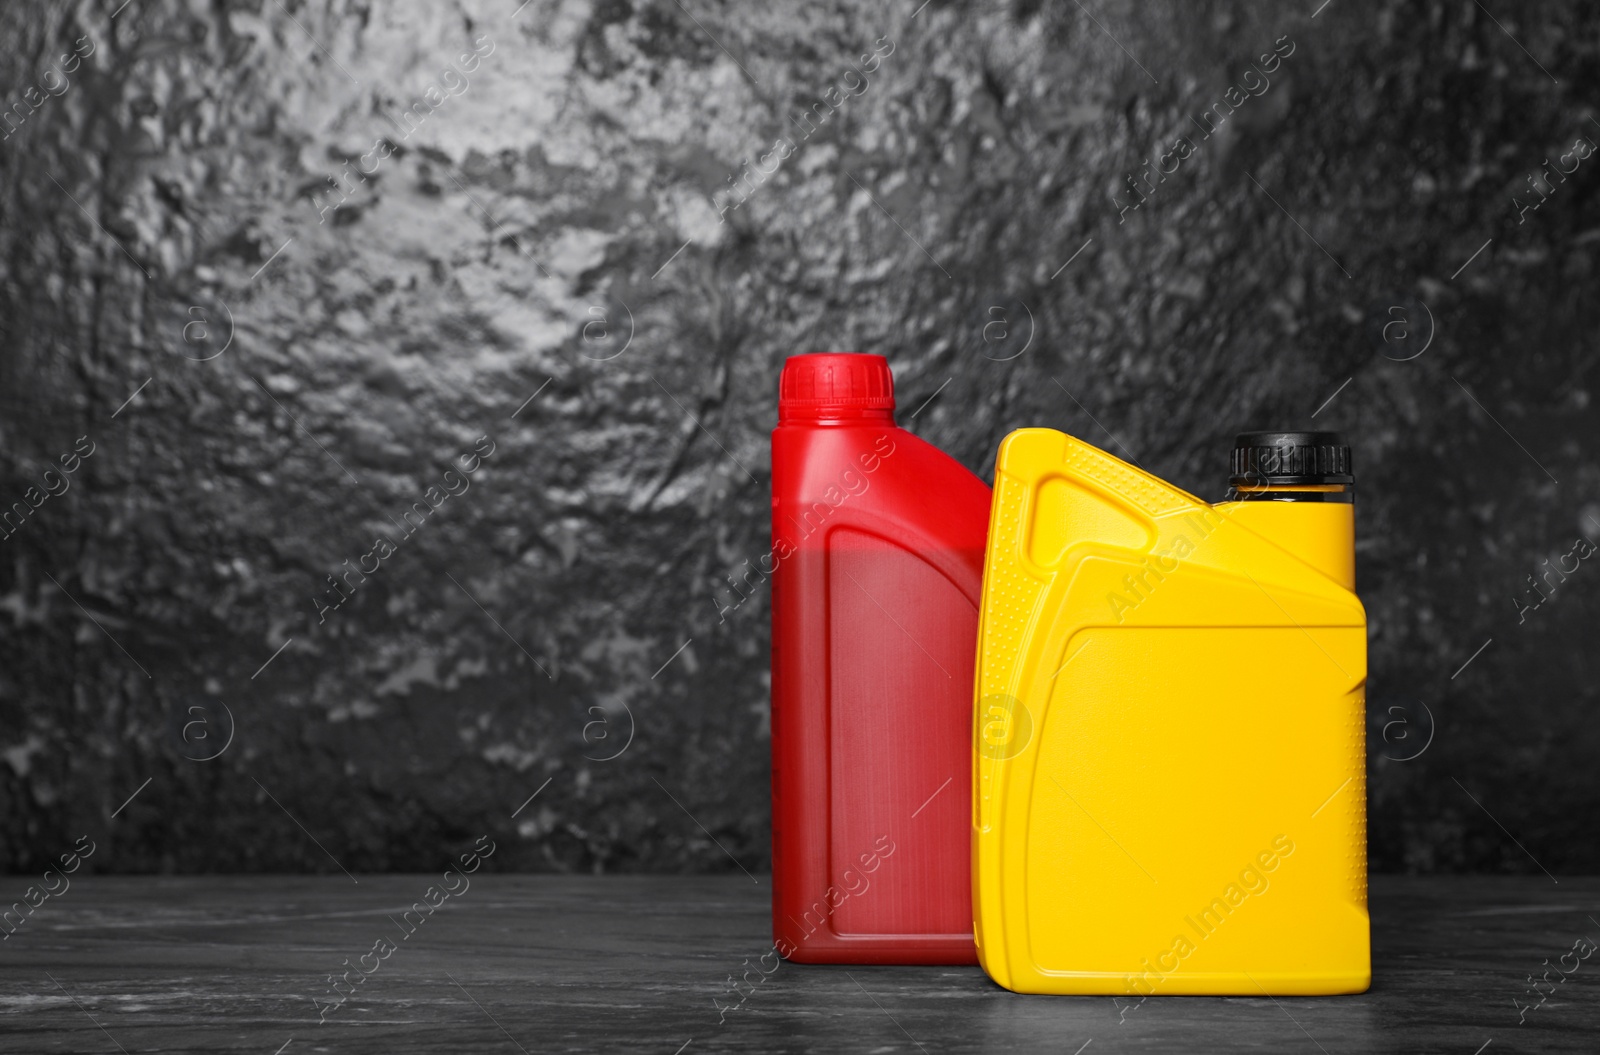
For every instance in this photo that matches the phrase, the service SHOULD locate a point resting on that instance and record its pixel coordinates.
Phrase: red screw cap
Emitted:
(828, 385)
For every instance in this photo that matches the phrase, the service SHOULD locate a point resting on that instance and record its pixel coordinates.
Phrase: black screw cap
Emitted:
(1265, 459)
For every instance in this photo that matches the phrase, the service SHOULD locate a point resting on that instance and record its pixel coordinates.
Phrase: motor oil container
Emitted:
(1169, 769)
(877, 547)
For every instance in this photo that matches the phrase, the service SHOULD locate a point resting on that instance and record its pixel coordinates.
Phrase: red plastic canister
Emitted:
(878, 541)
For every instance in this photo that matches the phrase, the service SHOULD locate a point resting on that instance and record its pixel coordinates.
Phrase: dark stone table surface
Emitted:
(605, 964)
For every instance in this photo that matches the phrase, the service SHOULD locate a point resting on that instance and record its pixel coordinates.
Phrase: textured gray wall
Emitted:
(238, 175)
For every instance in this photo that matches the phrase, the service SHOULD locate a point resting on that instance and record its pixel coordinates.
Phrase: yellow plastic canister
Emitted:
(1169, 791)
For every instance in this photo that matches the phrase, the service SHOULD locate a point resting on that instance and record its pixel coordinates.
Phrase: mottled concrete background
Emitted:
(279, 311)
